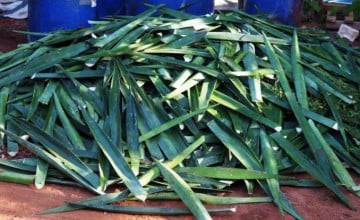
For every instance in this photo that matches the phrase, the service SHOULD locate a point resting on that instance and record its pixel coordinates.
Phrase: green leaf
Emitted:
(16, 177)
(309, 166)
(114, 156)
(132, 133)
(231, 103)
(336, 165)
(237, 147)
(57, 148)
(145, 210)
(271, 167)
(40, 152)
(298, 74)
(121, 32)
(43, 62)
(4, 94)
(48, 92)
(184, 192)
(70, 130)
(41, 174)
(171, 123)
(251, 65)
(296, 108)
(212, 200)
(154, 172)
(38, 89)
(226, 173)
(114, 104)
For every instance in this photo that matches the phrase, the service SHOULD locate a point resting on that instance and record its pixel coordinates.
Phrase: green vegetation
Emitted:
(181, 107)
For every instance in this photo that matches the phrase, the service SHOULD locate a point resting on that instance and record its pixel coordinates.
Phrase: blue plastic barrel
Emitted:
(285, 11)
(347, 2)
(110, 7)
(134, 7)
(46, 16)
(199, 7)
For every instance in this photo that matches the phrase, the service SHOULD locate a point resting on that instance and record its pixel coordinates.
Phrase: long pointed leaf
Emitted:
(115, 158)
(184, 192)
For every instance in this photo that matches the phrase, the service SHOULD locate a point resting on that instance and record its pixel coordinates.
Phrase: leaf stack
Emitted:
(175, 106)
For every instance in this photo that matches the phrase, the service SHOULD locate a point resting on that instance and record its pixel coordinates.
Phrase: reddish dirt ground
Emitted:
(22, 202)
(8, 38)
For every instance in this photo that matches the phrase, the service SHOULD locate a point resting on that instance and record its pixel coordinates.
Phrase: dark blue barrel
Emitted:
(285, 11)
(134, 7)
(46, 16)
(199, 7)
(110, 7)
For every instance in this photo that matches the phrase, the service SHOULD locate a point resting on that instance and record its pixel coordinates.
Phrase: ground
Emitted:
(23, 202)
(8, 38)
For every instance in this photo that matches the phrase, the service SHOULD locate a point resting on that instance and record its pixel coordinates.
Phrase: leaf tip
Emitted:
(335, 126)
(142, 197)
